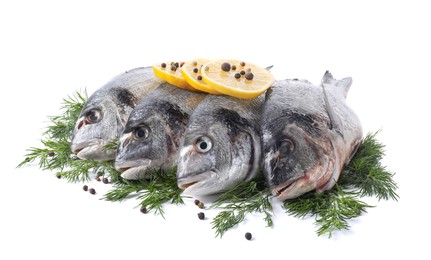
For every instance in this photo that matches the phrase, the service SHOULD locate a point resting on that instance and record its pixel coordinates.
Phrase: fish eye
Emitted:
(286, 148)
(203, 144)
(93, 116)
(141, 133)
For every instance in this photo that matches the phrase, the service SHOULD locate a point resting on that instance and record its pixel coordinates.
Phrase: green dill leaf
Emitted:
(365, 173)
(245, 198)
(111, 145)
(153, 192)
(363, 176)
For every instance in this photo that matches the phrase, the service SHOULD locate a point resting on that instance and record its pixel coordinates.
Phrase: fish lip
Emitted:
(286, 190)
(281, 191)
(79, 147)
(190, 180)
(133, 170)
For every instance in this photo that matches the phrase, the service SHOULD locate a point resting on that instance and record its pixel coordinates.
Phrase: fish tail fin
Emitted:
(328, 78)
(342, 85)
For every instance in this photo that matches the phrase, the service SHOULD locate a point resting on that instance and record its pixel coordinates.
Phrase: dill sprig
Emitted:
(364, 176)
(158, 188)
(245, 198)
(56, 155)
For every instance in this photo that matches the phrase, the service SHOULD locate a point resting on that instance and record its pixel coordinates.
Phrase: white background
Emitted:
(49, 49)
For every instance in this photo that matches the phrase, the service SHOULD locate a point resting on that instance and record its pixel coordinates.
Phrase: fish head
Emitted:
(150, 140)
(299, 157)
(216, 153)
(102, 120)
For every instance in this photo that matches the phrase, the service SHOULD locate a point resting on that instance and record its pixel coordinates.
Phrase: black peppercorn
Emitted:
(163, 65)
(144, 210)
(201, 215)
(51, 154)
(225, 66)
(92, 191)
(105, 180)
(85, 188)
(197, 202)
(242, 63)
(242, 72)
(199, 77)
(237, 75)
(249, 76)
(195, 70)
(248, 236)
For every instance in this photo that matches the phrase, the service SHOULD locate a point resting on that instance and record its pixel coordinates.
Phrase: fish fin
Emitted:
(334, 122)
(328, 78)
(343, 85)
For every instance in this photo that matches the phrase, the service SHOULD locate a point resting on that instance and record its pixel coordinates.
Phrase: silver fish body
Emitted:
(221, 145)
(105, 114)
(153, 131)
(308, 135)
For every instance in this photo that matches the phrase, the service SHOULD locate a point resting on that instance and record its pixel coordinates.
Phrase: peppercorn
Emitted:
(92, 191)
(105, 180)
(163, 65)
(51, 154)
(233, 67)
(58, 175)
(173, 68)
(199, 77)
(237, 75)
(195, 70)
(242, 72)
(85, 188)
(144, 210)
(201, 215)
(176, 64)
(248, 236)
(201, 205)
(98, 179)
(242, 63)
(249, 76)
(197, 202)
(225, 66)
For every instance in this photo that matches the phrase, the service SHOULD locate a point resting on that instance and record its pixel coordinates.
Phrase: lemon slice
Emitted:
(171, 72)
(191, 71)
(237, 78)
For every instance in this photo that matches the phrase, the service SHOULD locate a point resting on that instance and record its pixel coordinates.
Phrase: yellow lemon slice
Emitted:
(171, 72)
(191, 71)
(237, 78)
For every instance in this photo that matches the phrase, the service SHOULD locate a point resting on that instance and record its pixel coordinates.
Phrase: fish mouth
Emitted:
(192, 183)
(285, 190)
(314, 179)
(92, 150)
(135, 170)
